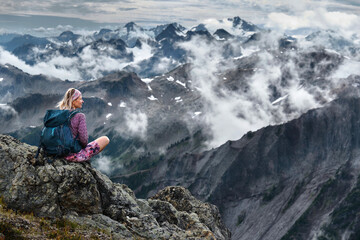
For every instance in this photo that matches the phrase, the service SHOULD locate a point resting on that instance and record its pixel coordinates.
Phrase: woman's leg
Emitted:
(103, 142)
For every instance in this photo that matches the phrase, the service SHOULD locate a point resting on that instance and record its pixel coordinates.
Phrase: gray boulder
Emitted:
(80, 193)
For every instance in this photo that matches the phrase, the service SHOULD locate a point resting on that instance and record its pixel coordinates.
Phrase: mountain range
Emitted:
(225, 113)
(122, 44)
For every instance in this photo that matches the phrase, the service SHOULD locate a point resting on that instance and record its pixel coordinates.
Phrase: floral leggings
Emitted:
(85, 154)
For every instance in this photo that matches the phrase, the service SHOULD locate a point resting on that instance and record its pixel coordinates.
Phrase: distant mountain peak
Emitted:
(178, 26)
(104, 31)
(200, 27)
(131, 26)
(242, 24)
(236, 21)
(138, 43)
(160, 28)
(172, 31)
(67, 35)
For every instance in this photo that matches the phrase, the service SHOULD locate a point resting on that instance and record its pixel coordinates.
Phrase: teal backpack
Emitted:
(56, 137)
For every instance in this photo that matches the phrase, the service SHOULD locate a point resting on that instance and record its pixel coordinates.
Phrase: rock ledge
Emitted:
(80, 193)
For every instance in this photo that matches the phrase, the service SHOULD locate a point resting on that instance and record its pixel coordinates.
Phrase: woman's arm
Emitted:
(78, 124)
(83, 134)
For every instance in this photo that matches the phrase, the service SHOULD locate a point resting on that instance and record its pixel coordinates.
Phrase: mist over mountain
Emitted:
(170, 97)
(148, 52)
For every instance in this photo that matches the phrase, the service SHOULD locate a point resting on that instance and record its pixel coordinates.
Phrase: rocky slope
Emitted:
(298, 180)
(79, 193)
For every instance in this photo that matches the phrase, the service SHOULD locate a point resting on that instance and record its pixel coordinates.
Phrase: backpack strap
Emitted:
(38, 151)
(40, 145)
(73, 113)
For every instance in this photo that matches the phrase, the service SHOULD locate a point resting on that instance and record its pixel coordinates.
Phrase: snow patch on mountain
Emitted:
(178, 99)
(280, 99)
(122, 104)
(246, 52)
(147, 80)
(181, 83)
(152, 98)
(195, 114)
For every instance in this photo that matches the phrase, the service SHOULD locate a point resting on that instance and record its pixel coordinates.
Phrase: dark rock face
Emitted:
(78, 192)
(240, 23)
(68, 36)
(25, 40)
(182, 200)
(298, 180)
(223, 34)
(171, 32)
(19, 84)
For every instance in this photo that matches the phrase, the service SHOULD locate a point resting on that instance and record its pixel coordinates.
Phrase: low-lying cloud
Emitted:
(275, 93)
(135, 124)
(318, 18)
(104, 164)
(56, 67)
(89, 64)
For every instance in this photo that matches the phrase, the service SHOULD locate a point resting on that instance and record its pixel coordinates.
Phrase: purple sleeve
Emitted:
(78, 128)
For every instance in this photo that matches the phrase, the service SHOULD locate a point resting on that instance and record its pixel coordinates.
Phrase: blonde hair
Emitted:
(66, 102)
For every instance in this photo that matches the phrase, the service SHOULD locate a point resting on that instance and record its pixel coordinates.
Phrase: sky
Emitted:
(43, 15)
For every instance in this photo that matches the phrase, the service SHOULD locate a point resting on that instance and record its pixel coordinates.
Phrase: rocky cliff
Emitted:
(79, 193)
(297, 180)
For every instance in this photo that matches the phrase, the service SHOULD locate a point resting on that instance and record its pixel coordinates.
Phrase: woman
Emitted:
(73, 100)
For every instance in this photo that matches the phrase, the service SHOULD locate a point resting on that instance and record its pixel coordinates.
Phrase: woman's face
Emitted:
(77, 103)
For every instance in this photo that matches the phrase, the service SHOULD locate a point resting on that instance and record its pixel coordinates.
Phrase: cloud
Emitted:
(8, 117)
(48, 68)
(273, 94)
(227, 24)
(163, 65)
(95, 62)
(88, 64)
(221, 106)
(318, 18)
(349, 67)
(52, 31)
(104, 164)
(214, 24)
(160, 12)
(136, 123)
(141, 53)
(127, 9)
(7, 110)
